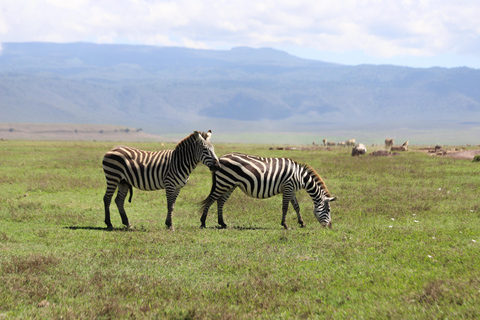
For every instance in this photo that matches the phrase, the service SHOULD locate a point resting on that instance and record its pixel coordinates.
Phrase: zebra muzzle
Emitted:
(329, 224)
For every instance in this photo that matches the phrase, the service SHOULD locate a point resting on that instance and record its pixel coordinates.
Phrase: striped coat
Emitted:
(262, 178)
(127, 167)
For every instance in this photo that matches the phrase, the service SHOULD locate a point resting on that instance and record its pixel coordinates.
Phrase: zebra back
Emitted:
(145, 170)
(261, 177)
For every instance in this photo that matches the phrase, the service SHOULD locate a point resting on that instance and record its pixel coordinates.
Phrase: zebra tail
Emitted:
(203, 204)
(131, 193)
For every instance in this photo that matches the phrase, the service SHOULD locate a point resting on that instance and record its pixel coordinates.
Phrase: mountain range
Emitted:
(169, 90)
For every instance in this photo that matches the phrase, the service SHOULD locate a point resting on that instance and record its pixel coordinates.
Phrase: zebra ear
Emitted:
(209, 134)
(198, 136)
(327, 199)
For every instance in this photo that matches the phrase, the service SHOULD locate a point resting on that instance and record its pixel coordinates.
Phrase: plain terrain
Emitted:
(374, 136)
(404, 243)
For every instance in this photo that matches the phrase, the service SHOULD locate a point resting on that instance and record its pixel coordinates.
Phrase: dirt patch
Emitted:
(451, 152)
(383, 153)
(469, 154)
(301, 148)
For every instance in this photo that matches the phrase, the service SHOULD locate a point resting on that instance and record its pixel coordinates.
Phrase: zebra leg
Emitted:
(297, 210)
(172, 194)
(220, 202)
(205, 207)
(107, 199)
(123, 188)
(287, 197)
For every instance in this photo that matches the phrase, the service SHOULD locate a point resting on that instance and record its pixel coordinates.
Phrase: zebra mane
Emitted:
(187, 140)
(316, 177)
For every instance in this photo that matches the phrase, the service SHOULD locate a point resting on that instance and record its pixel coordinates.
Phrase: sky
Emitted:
(415, 33)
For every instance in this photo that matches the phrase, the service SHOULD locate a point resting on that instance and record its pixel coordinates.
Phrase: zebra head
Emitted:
(322, 210)
(205, 151)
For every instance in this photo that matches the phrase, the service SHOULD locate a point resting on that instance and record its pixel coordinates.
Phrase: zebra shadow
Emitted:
(100, 228)
(240, 228)
(246, 228)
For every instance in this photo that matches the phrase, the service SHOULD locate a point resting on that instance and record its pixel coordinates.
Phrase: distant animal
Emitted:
(324, 142)
(125, 167)
(403, 147)
(388, 143)
(359, 149)
(263, 178)
(350, 142)
(331, 143)
(341, 143)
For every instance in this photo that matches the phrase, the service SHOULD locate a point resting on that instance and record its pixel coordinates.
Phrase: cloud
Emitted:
(376, 27)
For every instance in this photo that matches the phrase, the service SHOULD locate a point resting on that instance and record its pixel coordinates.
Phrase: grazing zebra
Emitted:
(263, 178)
(125, 167)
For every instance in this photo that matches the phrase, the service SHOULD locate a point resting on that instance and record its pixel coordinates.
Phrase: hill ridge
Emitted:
(166, 90)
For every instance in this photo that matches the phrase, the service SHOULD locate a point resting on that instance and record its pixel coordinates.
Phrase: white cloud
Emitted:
(378, 28)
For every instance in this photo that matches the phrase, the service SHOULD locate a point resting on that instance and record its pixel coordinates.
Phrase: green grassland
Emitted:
(405, 241)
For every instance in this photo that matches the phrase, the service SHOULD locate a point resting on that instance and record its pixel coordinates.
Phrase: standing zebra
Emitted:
(263, 178)
(125, 167)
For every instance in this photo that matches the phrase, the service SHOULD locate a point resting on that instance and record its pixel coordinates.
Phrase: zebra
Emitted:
(125, 167)
(263, 178)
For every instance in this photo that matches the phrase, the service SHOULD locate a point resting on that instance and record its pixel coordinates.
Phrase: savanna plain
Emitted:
(405, 241)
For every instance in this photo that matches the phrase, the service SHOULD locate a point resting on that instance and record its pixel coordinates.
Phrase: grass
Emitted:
(404, 243)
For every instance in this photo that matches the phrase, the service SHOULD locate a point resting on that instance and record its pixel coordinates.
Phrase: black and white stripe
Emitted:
(125, 167)
(262, 178)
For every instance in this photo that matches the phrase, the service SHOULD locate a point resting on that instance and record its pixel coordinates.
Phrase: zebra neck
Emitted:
(313, 187)
(184, 159)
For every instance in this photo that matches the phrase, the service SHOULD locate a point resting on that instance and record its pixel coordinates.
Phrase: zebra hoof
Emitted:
(109, 228)
(169, 226)
(203, 226)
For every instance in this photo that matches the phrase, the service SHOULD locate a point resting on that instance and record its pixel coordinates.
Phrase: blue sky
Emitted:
(420, 33)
